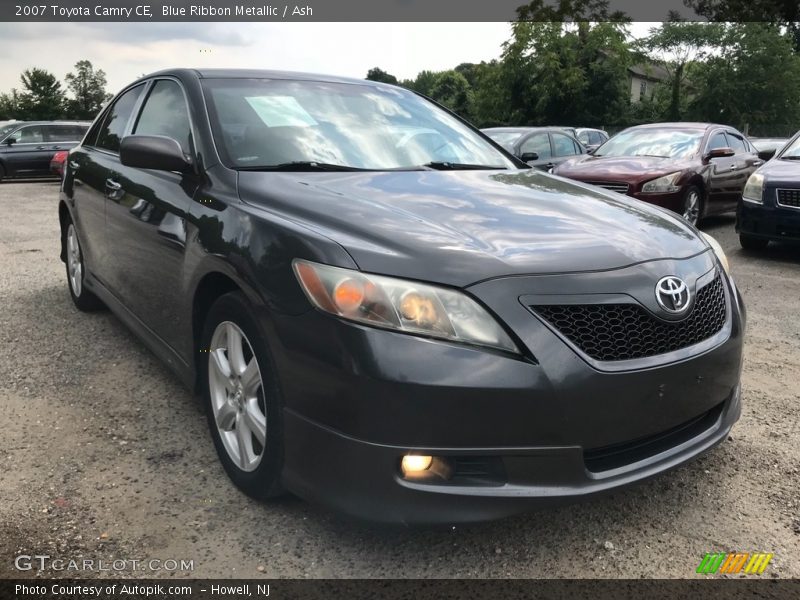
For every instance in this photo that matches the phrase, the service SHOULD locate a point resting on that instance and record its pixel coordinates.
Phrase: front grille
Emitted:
(609, 332)
(615, 456)
(789, 198)
(614, 186)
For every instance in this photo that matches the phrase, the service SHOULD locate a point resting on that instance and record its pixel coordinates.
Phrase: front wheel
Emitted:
(749, 242)
(692, 205)
(242, 398)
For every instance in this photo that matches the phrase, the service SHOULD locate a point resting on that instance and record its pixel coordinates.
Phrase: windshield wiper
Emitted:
(450, 166)
(304, 165)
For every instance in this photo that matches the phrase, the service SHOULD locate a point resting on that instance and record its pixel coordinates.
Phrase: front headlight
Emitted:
(400, 305)
(723, 260)
(662, 185)
(754, 189)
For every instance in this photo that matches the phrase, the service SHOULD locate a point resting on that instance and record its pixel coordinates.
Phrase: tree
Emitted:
(376, 74)
(754, 79)
(452, 90)
(88, 87)
(9, 106)
(676, 44)
(423, 83)
(42, 98)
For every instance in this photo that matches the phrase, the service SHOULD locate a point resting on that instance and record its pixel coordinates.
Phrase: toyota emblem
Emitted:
(672, 294)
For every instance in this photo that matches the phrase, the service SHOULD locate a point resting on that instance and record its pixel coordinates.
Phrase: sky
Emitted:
(125, 51)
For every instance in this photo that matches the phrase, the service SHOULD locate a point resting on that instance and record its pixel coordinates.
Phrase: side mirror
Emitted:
(767, 154)
(720, 153)
(529, 156)
(11, 140)
(153, 152)
(591, 149)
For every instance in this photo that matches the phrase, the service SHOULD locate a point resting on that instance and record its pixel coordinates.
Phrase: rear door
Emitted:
(747, 161)
(564, 147)
(92, 168)
(28, 153)
(146, 218)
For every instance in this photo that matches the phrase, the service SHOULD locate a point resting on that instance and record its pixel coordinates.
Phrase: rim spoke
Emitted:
(235, 353)
(256, 422)
(242, 435)
(226, 417)
(220, 362)
(251, 379)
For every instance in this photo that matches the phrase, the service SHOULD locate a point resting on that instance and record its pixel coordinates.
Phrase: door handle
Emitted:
(40, 147)
(56, 148)
(734, 167)
(113, 185)
(758, 163)
(73, 165)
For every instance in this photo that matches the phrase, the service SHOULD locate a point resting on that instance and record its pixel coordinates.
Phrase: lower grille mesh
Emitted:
(789, 198)
(609, 332)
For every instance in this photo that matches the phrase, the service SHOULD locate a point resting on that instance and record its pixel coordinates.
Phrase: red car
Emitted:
(694, 169)
(57, 163)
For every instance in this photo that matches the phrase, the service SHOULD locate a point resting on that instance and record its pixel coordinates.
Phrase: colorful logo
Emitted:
(735, 562)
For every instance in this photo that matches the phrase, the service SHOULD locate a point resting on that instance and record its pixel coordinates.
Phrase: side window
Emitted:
(116, 120)
(29, 135)
(64, 133)
(165, 113)
(717, 141)
(539, 143)
(595, 137)
(737, 143)
(584, 137)
(563, 146)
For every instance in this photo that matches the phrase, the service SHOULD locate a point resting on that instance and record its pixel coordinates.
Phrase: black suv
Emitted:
(26, 147)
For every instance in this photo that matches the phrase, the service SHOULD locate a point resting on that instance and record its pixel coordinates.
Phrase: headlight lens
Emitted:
(723, 260)
(665, 184)
(754, 189)
(400, 305)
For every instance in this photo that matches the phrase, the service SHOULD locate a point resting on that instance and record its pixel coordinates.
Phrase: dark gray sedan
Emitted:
(384, 312)
(540, 147)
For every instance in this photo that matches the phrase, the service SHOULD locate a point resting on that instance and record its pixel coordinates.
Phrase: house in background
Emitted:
(644, 79)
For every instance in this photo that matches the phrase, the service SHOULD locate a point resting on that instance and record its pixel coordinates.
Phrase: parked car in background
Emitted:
(57, 163)
(406, 331)
(541, 147)
(27, 147)
(768, 147)
(591, 139)
(694, 169)
(770, 205)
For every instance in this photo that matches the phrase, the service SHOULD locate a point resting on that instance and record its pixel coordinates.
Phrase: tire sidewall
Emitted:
(87, 301)
(265, 480)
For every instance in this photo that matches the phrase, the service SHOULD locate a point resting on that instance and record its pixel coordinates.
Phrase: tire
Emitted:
(243, 405)
(83, 299)
(749, 242)
(2, 173)
(693, 205)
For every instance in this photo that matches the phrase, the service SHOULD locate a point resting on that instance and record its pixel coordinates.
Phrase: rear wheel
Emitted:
(242, 398)
(83, 299)
(693, 205)
(748, 242)
(2, 172)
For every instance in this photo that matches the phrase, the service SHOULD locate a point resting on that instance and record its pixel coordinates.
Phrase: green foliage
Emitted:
(42, 97)
(376, 74)
(752, 81)
(88, 87)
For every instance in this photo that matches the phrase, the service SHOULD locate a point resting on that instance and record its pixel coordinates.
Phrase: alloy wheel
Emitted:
(691, 207)
(74, 262)
(237, 396)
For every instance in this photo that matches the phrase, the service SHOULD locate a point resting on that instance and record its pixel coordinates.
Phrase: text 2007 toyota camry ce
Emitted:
(386, 312)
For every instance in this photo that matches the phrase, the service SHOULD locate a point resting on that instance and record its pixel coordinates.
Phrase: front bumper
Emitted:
(769, 221)
(516, 431)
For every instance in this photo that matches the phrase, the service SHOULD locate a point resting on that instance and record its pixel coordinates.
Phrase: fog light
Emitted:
(414, 464)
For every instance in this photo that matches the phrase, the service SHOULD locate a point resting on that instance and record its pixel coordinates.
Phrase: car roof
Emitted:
(680, 125)
(260, 74)
(520, 129)
(87, 123)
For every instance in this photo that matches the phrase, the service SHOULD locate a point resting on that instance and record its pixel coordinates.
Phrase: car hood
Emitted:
(460, 227)
(630, 169)
(785, 171)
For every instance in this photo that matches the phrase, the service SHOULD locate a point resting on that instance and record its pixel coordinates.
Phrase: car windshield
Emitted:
(665, 143)
(792, 150)
(263, 124)
(504, 138)
(6, 128)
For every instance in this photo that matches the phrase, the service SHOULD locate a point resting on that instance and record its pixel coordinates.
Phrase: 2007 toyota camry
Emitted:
(387, 313)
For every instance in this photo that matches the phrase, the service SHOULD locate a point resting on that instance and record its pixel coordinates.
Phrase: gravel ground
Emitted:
(105, 456)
